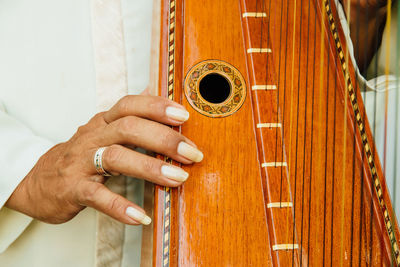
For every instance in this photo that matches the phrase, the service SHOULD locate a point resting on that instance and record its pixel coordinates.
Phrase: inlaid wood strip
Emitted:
(171, 87)
(269, 125)
(254, 15)
(264, 87)
(280, 205)
(274, 164)
(259, 50)
(285, 247)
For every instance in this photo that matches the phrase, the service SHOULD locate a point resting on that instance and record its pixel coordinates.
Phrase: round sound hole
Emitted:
(214, 88)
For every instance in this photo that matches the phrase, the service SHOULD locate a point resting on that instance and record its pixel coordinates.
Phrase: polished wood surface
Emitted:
(224, 214)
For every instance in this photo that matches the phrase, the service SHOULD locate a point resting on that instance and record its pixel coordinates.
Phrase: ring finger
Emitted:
(118, 159)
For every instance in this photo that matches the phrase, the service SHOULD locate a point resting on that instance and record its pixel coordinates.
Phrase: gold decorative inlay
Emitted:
(230, 73)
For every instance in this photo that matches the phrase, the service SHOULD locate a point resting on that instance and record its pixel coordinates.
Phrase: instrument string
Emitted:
(278, 87)
(312, 135)
(397, 57)
(362, 193)
(361, 208)
(320, 107)
(292, 85)
(277, 105)
(371, 237)
(362, 213)
(354, 153)
(305, 136)
(326, 149)
(297, 131)
(267, 58)
(266, 79)
(353, 167)
(261, 25)
(343, 190)
(333, 156)
(387, 60)
(256, 6)
(284, 108)
(291, 120)
(266, 82)
(374, 126)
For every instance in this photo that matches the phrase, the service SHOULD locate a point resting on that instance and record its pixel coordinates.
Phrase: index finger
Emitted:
(154, 108)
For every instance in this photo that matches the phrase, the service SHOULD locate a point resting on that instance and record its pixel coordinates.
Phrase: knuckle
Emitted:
(81, 130)
(112, 155)
(94, 122)
(124, 125)
(158, 105)
(115, 203)
(168, 139)
(89, 193)
(150, 166)
(124, 104)
(84, 133)
(99, 115)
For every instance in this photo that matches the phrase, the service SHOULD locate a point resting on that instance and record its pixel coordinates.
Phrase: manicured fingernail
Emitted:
(177, 114)
(190, 152)
(174, 173)
(138, 216)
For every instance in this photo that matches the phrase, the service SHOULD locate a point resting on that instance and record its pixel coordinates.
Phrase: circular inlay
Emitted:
(215, 88)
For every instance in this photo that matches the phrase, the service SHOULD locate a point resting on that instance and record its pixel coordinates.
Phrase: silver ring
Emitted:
(98, 162)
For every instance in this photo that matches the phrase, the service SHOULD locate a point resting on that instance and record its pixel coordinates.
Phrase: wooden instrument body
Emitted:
(224, 215)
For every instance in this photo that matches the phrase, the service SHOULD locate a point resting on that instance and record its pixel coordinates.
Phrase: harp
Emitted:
(291, 175)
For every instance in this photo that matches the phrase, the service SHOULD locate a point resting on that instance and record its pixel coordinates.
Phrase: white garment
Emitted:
(47, 90)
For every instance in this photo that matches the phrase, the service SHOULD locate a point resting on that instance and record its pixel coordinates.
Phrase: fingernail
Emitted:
(190, 152)
(174, 173)
(138, 216)
(177, 114)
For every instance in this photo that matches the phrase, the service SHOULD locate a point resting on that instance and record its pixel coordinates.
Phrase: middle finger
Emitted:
(151, 136)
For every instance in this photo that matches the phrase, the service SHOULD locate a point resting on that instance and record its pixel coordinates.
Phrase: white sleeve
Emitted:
(20, 149)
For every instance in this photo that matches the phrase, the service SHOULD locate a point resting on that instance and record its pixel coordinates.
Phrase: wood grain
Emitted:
(220, 216)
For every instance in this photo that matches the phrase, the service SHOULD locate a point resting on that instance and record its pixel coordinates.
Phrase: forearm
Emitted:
(20, 150)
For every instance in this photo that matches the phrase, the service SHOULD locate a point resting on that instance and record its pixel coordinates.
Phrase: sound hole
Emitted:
(214, 88)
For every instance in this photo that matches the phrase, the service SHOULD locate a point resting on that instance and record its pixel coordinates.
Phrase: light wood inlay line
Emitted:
(258, 50)
(285, 247)
(274, 164)
(280, 205)
(269, 125)
(254, 15)
(264, 87)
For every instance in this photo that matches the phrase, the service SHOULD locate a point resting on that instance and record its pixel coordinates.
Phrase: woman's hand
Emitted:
(64, 180)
